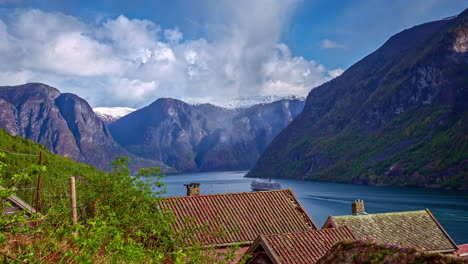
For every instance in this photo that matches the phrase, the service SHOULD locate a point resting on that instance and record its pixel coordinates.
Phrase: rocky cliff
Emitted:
(64, 123)
(398, 116)
(186, 137)
(203, 137)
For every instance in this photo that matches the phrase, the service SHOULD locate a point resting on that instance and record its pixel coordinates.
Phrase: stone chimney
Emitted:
(358, 208)
(193, 189)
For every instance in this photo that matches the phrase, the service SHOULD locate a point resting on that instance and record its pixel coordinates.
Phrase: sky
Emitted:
(129, 53)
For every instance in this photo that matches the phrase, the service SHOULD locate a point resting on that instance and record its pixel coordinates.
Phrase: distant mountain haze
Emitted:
(203, 137)
(398, 116)
(186, 137)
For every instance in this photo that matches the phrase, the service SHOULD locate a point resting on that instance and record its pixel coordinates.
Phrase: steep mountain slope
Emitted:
(398, 116)
(203, 137)
(64, 123)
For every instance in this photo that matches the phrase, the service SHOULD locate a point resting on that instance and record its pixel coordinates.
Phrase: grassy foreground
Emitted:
(119, 219)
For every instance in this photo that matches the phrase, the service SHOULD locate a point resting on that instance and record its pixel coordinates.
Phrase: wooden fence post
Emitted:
(38, 187)
(73, 200)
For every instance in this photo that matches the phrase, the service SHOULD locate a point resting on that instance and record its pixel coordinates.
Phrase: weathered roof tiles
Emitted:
(414, 229)
(296, 248)
(239, 217)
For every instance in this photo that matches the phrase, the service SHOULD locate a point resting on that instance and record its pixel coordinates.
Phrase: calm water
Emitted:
(324, 199)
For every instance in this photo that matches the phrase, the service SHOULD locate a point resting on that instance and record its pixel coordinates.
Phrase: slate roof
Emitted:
(301, 247)
(18, 204)
(412, 229)
(241, 217)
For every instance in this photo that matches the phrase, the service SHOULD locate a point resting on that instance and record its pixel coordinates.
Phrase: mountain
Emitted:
(249, 101)
(204, 136)
(111, 114)
(188, 137)
(398, 116)
(64, 123)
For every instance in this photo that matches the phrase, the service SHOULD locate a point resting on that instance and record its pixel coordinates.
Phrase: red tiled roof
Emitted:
(462, 251)
(301, 247)
(240, 217)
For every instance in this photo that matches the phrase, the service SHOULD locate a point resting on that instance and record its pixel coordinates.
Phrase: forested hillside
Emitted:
(399, 116)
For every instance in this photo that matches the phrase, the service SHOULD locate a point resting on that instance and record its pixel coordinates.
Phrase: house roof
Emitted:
(241, 217)
(301, 247)
(415, 229)
(17, 203)
(462, 251)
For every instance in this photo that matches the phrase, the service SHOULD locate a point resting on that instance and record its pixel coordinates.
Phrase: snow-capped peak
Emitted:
(248, 101)
(111, 114)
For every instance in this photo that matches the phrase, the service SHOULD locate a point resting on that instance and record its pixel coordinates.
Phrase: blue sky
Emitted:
(129, 53)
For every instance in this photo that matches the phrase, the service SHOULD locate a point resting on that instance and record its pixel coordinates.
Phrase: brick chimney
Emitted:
(193, 189)
(358, 208)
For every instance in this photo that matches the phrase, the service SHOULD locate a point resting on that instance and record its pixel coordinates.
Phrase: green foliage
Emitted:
(53, 183)
(15, 223)
(367, 251)
(119, 217)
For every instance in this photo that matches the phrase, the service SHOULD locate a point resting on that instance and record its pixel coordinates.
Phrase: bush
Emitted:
(119, 222)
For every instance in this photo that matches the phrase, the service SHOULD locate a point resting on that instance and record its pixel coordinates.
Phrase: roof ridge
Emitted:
(441, 228)
(300, 208)
(388, 213)
(222, 194)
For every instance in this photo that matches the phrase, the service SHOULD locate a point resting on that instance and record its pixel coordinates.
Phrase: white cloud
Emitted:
(173, 35)
(132, 62)
(13, 78)
(128, 90)
(335, 73)
(330, 44)
(114, 111)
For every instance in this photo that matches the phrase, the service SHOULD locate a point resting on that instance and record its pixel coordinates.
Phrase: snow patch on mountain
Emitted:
(249, 101)
(111, 114)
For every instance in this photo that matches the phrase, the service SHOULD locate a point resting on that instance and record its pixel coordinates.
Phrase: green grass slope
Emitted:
(119, 219)
(54, 181)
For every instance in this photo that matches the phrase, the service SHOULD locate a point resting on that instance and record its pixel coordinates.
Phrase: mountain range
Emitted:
(168, 133)
(64, 123)
(398, 116)
(204, 136)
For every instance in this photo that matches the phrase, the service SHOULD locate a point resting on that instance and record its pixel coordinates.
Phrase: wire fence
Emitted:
(52, 186)
(19, 154)
(53, 190)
